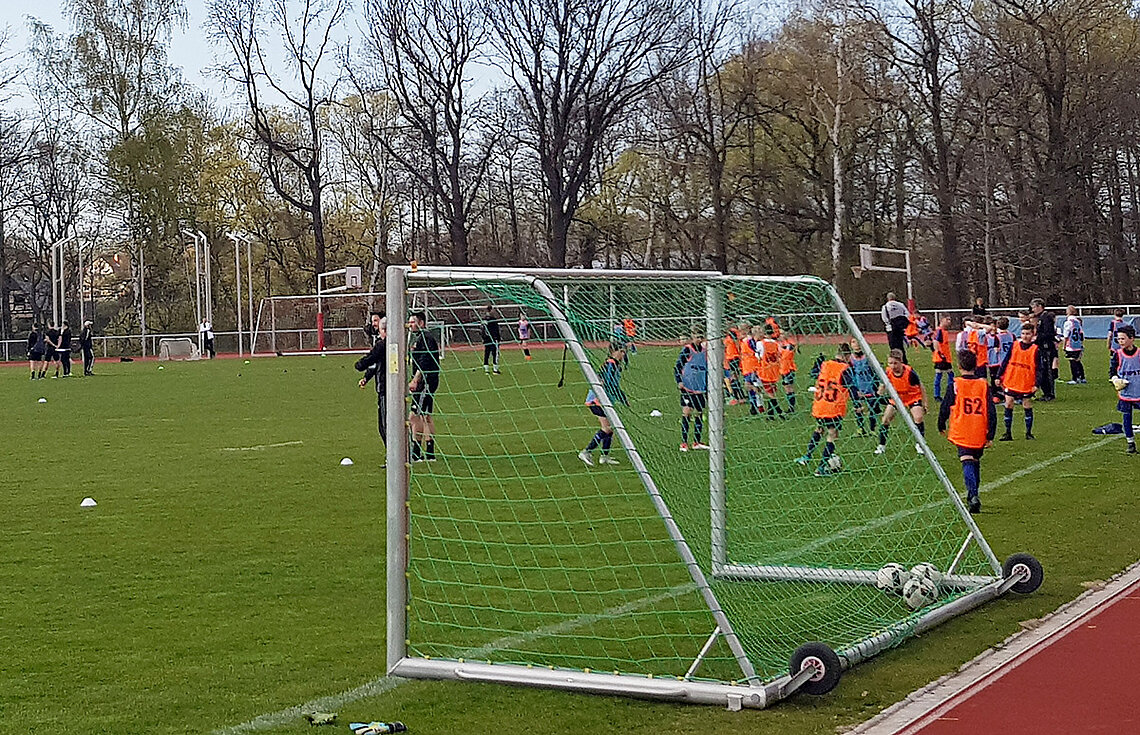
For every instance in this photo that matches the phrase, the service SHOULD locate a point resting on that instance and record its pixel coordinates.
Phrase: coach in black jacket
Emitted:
(372, 365)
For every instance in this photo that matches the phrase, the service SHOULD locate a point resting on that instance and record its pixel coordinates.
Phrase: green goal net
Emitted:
(616, 495)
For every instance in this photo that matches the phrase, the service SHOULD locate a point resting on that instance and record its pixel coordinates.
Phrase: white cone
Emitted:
(655, 413)
(88, 503)
(345, 462)
(42, 400)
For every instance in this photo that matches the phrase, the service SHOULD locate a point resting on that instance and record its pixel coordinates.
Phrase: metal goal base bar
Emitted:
(772, 573)
(676, 690)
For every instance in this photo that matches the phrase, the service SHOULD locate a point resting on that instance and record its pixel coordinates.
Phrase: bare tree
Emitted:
(424, 50)
(577, 65)
(290, 136)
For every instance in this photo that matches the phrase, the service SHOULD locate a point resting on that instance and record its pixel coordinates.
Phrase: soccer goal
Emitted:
(178, 348)
(726, 574)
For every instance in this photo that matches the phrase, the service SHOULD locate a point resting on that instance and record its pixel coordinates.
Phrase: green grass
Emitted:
(210, 586)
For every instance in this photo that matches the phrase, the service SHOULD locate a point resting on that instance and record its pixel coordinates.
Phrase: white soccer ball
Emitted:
(834, 463)
(1118, 383)
(655, 414)
(926, 570)
(891, 578)
(919, 592)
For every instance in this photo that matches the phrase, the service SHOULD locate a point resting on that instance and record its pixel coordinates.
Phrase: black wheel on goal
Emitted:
(824, 659)
(1028, 568)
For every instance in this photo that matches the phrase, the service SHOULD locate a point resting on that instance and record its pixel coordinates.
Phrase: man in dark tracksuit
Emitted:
(372, 365)
(52, 353)
(87, 344)
(1046, 348)
(491, 340)
(65, 349)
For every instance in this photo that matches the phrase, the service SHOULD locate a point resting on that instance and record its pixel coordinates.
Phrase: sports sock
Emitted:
(754, 399)
(1008, 420)
(1126, 421)
(812, 443)
(417, 450)
(1029, 421)
(684, 429)
(698, 427)
(598, 438)
(773, 407)
(922, 428)
(938, 385)
(526, 351)
(792, 401)
(430, 453)
(883, 429)
(971, 473)
(607, 439)
(828, 450)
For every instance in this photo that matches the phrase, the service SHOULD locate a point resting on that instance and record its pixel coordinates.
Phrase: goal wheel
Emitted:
(824, 659)
(1026, 566)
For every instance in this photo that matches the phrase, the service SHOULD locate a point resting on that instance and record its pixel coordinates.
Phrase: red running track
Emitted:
(1084, 681)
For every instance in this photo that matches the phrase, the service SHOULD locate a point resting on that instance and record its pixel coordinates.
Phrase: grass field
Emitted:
(223, 578)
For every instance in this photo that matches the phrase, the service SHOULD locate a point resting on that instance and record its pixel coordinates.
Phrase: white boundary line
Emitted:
(260, 447)
(925, 705)
(387, 683)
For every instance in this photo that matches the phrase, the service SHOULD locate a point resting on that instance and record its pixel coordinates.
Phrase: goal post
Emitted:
(564, 542)
(178, 348)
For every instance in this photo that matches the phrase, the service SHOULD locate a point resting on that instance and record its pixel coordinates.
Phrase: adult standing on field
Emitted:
(422, 386)
(87, 345)
(65, 349)
(1046, 348)
(372, 365)
(896, 317)
(206, 329)
(36, 348)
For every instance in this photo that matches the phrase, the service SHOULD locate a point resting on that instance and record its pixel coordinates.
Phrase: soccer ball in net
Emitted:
(926, 570)
(891, 578)
(919, 592)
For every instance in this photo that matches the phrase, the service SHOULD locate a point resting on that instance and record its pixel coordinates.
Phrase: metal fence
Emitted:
(459, 334)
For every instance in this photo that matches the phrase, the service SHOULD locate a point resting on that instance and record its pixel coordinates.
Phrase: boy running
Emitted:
(734, 391)
(940, 344)
(611, 382)
(1125, 366)
(829, 405)
(1018, 376)
(1073, 335)
(969, 410)
(907, 384)
(691, 374)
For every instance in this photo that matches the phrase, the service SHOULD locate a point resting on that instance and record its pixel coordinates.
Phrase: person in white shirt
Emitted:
(1073, 336)
(896, 317)
(206, 329)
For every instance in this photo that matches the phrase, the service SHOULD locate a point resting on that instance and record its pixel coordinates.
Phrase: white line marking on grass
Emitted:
(387, 683)
(260, 447)
(898, 516)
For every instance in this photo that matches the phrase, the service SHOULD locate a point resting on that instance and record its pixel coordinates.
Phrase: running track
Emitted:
(1077, 673)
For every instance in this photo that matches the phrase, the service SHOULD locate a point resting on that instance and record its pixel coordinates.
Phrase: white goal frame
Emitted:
(164, 351)
(750, 692)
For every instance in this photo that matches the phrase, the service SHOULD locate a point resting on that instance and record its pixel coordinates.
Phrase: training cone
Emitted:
(88, 503)
(42, 400)
(345, 462)
(655, 413)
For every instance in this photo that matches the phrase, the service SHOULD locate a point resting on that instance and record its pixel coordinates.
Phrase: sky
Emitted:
(189, 48)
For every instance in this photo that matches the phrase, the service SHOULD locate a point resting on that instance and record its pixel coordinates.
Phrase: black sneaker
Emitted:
(1006, 437)
(1029, 435)
(1131, 448)
(974, 505)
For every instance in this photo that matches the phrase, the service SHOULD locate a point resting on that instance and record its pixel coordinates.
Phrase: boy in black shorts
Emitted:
(422, 386)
